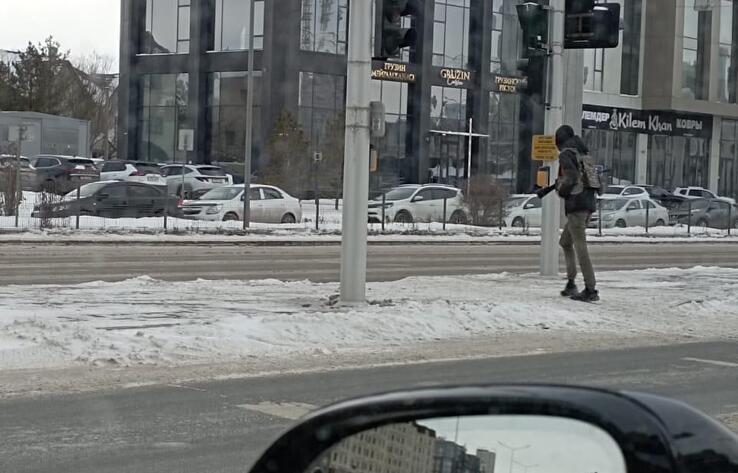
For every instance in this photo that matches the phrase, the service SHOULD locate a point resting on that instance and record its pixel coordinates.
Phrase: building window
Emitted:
(163, 113)
(448, 152)
(502, 145)
(392, 149)
(728, 171)
(631, 58)
(451, 33)
(227, 94)
(231, 23)
(697, 19)
(321, 104)
(594, 63)
(324, 24)
(616, 151)
(505, 37)
(678, 161)
(167, 27)
(727, 85)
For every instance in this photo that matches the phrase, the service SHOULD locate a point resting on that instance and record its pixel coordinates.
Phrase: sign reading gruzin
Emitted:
(393, 71)
(455, 77)
(652, 122)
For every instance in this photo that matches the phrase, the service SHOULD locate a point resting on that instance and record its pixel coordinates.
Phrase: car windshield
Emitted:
(400, 193)
(162, 324)
(613, 204)
(85, 190)
(222, 193)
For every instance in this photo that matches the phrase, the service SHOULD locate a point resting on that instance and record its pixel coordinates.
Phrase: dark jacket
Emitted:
(585, 201)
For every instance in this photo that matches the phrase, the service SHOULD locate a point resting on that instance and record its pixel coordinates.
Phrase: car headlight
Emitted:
(214, 209)
(608, 217)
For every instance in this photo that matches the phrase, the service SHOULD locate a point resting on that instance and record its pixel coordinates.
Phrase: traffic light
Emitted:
(591, 25)
(533, 18)
(393, 36)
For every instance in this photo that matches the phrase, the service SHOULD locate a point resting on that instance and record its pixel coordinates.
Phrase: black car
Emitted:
(663, 196)
(61, 174)
(111, 199)
(712, 213)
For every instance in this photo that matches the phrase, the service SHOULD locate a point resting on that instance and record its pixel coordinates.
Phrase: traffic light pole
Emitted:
(356, 155)
(551, 216)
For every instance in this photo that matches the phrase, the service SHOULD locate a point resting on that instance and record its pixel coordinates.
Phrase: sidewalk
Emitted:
(155, 323)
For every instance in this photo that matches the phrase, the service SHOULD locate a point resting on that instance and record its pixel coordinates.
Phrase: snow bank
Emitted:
(146, 321)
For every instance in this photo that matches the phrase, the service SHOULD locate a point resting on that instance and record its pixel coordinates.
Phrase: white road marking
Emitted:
(285, 410)
(725, 364)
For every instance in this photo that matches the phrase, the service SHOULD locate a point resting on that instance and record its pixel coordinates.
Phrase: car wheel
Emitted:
(621, 223)
(518, 222)
(403, 216)
(230, 217)
(458, 218)
(289, 218)
(660, 223)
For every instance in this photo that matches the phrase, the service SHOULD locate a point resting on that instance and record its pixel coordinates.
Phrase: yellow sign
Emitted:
(544, 148)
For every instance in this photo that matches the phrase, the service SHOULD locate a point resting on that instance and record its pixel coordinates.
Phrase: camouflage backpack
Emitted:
(589, 178)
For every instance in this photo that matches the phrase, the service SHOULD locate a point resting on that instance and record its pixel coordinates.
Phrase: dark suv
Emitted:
(712, 213)
(61, 174)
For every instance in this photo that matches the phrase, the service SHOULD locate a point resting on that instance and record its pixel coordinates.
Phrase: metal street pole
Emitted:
(554, 118)
(469, 158)
(356, 155)
(249, 123)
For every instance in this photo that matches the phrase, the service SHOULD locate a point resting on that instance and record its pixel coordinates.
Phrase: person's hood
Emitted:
(576, 143)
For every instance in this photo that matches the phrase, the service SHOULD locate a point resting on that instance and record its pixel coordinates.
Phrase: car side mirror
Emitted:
(486, 428)
(418, 198)
(528, 206)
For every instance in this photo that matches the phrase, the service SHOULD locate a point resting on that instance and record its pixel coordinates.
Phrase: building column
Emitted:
(713, 170)
(641, 163)
(418, 104)
(480, 32)
(197, 93)
(132, 19)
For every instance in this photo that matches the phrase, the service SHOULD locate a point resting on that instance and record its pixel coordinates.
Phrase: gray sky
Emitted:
(81, 26)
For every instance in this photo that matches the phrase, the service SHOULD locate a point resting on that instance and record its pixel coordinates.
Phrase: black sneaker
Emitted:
(570, 289)
(587, 295)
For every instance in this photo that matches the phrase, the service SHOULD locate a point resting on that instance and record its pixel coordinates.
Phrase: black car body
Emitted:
(112, 199)
(664, 197)
(61, 174)
(712, 213)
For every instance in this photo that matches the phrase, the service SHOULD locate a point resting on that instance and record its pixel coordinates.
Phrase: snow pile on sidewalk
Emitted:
(146, 321)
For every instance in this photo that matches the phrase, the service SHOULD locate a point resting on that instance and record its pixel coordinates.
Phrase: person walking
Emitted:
(575, 186)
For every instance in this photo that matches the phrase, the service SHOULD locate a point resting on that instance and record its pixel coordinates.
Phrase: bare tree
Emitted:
(101, 89)
(485, 199)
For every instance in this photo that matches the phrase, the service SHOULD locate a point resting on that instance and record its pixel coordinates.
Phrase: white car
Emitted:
(621, 213)
(523, 210)
(625, 192)
(269, 204)
(132, 171)
(694, 192)
(419, 203)
(196, 177)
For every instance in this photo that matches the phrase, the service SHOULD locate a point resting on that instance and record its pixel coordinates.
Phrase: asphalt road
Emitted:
(222, 426)
(68, 264)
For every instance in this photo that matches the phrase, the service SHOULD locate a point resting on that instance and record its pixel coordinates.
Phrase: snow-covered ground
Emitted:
(149, 322)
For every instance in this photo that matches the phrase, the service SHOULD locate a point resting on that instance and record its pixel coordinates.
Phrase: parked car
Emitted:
(60, 174)
(663, 196)
(523, 210)
(28, 173)
(694, 192)
(625, 192)
(133, 171)
(111, 199)
(196, 177)
(621, 213)
(712, 213)
(419, 203)
(269, 204)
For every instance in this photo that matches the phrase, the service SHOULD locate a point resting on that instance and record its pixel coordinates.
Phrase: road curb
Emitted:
(321, 243)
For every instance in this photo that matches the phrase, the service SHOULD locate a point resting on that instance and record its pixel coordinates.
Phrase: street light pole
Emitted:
(249, 123)
(356, 154)
(551, 215)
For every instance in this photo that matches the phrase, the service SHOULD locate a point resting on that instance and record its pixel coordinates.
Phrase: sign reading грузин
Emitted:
(394, 71)
(652, 122)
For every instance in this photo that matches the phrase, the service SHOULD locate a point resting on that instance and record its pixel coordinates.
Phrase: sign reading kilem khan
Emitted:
(646, 121)
(393, 71)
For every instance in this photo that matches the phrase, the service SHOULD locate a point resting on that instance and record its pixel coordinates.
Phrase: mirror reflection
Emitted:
(477, 444)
